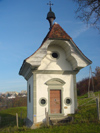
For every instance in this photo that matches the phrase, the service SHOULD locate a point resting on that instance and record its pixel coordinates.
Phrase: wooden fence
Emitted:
(11, 120)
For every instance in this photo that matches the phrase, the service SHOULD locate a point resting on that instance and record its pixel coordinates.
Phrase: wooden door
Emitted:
(55, 101)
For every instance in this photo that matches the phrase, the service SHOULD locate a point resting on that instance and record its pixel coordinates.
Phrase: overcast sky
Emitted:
(23, 26)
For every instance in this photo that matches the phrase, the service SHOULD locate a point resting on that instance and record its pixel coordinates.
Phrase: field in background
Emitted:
(85, 120)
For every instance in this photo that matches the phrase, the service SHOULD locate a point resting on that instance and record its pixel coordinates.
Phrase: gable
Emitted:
(55, 63)
(73, 58)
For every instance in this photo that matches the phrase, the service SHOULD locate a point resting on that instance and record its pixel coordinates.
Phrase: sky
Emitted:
(23, 26)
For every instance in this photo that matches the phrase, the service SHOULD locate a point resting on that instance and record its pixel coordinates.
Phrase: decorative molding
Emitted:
(69, 99)
(55, 72)
(55, 82)
(40, 101)
(49, 72)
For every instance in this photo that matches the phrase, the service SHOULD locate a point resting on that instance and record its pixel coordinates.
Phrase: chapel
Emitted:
(50, 73)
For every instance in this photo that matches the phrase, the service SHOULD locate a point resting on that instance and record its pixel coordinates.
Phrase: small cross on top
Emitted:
(50, 4)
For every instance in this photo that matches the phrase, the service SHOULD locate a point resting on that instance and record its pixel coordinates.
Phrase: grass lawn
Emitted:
(85, 120)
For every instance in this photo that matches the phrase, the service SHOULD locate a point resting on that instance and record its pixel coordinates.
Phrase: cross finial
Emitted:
(50, 4)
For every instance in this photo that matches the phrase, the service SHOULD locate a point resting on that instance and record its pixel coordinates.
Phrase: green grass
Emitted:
(8, 116)
(13, 111)
(85, 120)
(69, 128)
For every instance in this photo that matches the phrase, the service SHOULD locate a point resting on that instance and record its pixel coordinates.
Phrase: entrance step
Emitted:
(60, 120)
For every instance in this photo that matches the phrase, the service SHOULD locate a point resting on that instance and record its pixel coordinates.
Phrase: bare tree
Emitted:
(97, 72)
(89, 11)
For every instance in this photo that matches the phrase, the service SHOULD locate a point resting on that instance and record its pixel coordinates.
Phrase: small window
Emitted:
(55, 55)
(29, 93)
(68, 101)
(43, 101)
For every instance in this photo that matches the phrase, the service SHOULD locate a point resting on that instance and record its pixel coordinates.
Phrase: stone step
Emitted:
(59, 120)
(58, 117)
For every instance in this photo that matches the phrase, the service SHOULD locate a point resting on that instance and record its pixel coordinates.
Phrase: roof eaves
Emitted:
(81, 52)
(21, 69)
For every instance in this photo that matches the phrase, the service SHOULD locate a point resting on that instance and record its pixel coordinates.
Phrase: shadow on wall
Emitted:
(55, 63)
(71, 91)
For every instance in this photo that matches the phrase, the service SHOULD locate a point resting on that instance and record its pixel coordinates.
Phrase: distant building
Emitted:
(11, 93)
(11, 97)
(24, 95)
(24, 92)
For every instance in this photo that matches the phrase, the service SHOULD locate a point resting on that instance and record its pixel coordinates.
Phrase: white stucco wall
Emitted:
(30, 104)
(80, 61)
(42, 91)
(49, 63)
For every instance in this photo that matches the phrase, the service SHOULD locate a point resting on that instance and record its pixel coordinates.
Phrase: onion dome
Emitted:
(51, 17)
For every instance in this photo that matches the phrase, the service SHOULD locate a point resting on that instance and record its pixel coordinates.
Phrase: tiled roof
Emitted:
(57, 32)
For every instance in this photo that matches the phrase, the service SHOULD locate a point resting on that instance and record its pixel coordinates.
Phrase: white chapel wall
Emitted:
(80, 61)
(30, 103)
(42, 92)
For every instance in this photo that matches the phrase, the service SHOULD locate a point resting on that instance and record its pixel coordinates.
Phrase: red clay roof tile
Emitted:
(58, 33)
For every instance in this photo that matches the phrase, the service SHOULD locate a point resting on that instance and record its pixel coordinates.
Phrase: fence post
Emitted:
(97, 102)
(21, 115)
(47, 119)
(45, 111)
(17, 119)
(0, 121)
